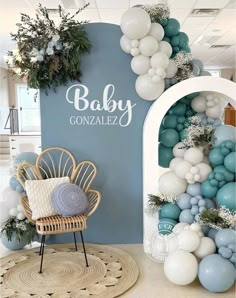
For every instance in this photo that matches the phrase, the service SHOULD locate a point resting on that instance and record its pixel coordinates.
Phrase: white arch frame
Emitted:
(151, 170)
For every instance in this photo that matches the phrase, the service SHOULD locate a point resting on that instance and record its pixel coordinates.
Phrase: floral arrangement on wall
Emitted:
(48, 54)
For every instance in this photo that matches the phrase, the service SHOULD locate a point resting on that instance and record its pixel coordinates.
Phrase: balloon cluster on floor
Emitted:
(158, 51)
(196, 207)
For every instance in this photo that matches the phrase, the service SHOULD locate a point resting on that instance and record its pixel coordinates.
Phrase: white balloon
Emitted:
(134, 52)
(148, 46)
(135, 23)
(170, 184)
(193, 155)
(195, 227)
(165, 47)
(199, 104)
(4, 212)
(181, 267)
(20, 216)
(140, 64)
(171, 69)
(125, 44)
(215, 111)
(182, 168)
(20, 208)
(174, 162)
(204, 170)
(188, 240)
(161, 72)
(13, 212)
(147, 89)
(156, 79)
(134, 43)
(157, 31)
(12, 199)
(159, 60)
(179, 150)
(207, 247)
(179, 227)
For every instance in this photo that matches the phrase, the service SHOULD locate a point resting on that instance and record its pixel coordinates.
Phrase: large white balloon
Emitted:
(179, 150)
(11, 198)
(215, 112)
(165, 47)
(193, 155)
(182, 168)
(148, 46)
(181, 267)
(206, 247)
(159, 60)
(188, 240)
(135, 23)
(157, 31)
(125, 44)
(171, 69)
(4, 212)
(179, 227)
(198, 104)
(140, 64)
(174, 162)
(147, 89)
(170, 184)
(204, 171)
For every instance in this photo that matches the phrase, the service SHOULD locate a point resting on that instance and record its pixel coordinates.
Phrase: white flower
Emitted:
(15, 52)
(55, 38)
(10, 61)
(67, 45)
(17, 70)
(50, 51)
(33, 59)
(6, 58)
(40, 58)
(51, 44)
(58, 46)
(18, 58)
(34, 52)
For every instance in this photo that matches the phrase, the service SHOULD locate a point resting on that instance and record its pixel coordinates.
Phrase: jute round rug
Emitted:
(111, 272)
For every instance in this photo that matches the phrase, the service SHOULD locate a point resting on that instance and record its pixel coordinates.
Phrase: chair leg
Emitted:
(75, 241)
(82, 238)
(42, 252)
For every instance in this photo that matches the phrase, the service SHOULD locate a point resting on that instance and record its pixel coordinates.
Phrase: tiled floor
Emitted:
(152, 282)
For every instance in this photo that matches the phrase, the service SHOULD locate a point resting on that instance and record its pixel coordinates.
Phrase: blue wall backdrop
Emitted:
(116, 150)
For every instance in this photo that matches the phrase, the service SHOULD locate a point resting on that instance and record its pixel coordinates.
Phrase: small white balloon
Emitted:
(20, 216)
(181, 267)
(215, 112)
(140, 64)
(151, 72)
(161, 72)
(179, 227)
(204, 171)
(147, 89)
(148, 46)
(13, 212)
(206, 247)
(4, 212)
(134, 43)
(159, 60)
(135, 23)
(179, 150)
(199, 104)
(165, 47)
(200, 234)
(170, 184)
(183, 168)
(134, 52)
(156, 78)
(188, 240)
(171, 69)
(193, 155)
(195, 227)
(174, 162)
(20, 208)
(157, 31)
(125, 44)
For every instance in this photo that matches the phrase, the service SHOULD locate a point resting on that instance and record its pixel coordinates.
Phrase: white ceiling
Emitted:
(202, 31)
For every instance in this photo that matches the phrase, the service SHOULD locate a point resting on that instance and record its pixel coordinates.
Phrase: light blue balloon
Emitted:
(233, 259)
(215, 157)
(230, 162)
(196, 70)
(197, 63)
(29, 157)
(183, 201)
(15, 185)
(205, 73)
(232, 246)
(186, 216)
(225, 237)
(226, 196)
(205, 229)
(225, 252)
(194, 210)
(194, 189)
(208, 190)
(212, 234)
(210, 203)
(216, 274)
(224, 133)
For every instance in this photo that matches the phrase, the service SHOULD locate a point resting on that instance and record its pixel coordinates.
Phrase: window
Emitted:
(29, 109)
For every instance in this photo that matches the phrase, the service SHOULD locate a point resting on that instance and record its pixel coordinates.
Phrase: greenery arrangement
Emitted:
(157, 12)
(48, 55)
(22, 229)
(155, 202)
(183, 62)
(218, 218)
(199, 135)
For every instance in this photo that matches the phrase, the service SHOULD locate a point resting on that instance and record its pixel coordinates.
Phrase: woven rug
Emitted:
(111, 272)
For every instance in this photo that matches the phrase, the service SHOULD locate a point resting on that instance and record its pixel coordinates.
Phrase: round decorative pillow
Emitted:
(69, 200)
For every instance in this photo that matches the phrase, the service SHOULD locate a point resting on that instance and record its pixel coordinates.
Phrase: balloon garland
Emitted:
(161, 54)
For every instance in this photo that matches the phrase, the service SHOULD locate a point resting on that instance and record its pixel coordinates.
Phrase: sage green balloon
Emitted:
(170, 210)
(165, 155)
(169, 137)
(169, 121)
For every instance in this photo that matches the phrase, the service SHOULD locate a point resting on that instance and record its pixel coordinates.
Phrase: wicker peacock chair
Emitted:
(53, 163)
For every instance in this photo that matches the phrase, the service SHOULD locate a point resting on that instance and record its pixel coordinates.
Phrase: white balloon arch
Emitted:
(151, 170)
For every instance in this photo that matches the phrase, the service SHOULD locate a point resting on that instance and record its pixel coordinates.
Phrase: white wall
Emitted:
(4, 98)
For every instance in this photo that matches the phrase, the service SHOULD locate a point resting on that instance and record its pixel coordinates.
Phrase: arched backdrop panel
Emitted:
(151, 170)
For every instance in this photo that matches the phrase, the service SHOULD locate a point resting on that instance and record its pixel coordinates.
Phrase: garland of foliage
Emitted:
(48, 55)
(22, 228)
(155, 202)
(157, 12)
